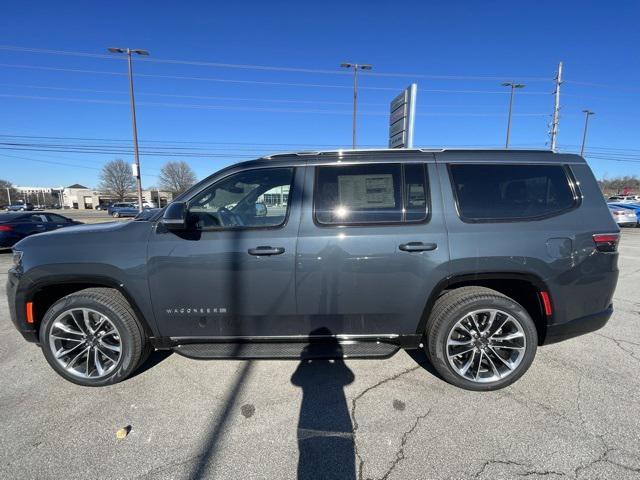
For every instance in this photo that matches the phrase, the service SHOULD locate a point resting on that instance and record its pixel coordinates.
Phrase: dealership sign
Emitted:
(402, 113)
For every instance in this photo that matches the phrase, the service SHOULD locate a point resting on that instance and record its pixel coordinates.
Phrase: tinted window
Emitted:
(415, 188)
(507, 192)
(253, 198)
(57, 218)
(371, 193)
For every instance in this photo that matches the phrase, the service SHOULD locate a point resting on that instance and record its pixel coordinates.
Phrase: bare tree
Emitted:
(117, 178)
(4, 194)
(176, 177)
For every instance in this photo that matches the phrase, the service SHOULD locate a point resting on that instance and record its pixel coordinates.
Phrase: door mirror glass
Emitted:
(175, 216)
(261, 209)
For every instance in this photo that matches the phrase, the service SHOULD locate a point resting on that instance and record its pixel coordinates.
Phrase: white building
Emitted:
(80, 197)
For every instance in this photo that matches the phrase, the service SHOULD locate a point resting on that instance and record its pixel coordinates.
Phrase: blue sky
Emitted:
(224, 116)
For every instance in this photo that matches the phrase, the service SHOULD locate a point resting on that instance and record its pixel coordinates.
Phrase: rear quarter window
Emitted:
(486, 193)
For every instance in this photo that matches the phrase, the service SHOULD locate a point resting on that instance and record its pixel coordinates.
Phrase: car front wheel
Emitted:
(116, 215)
(92, 337)
(480, 339)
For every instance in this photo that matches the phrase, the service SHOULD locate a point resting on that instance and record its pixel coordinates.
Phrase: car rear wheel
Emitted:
(480, 339)
(116, 214)
(92, 337)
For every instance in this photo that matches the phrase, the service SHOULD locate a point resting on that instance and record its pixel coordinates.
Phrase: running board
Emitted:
(295, 350)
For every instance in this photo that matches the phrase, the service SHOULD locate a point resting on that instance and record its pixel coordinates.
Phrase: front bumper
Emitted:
(17, 311)
(579, 326)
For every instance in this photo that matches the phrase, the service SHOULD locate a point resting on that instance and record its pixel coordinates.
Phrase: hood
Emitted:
(97, 234)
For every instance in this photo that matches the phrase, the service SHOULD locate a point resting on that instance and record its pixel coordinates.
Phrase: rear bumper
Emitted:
(579, 326)
(16, 300)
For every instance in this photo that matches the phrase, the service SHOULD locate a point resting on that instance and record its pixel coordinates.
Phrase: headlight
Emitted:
(17, 258)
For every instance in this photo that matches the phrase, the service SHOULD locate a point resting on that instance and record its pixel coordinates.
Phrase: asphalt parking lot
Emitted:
(575, 414)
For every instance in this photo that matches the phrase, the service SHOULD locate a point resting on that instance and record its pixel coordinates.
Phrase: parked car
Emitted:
(476, 257)
(624, 198)
(624, 217)
(122, 209)
(102, 206)
(20, 207)
(16, 226)
(147, 213)
(629, 206)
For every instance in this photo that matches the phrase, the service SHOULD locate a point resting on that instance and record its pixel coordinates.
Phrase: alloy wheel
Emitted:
(486, 345)
(85, 343)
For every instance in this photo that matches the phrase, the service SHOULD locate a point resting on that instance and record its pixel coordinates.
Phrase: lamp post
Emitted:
(137, 173)
(356, 67)
(587, 114)
(513, 87)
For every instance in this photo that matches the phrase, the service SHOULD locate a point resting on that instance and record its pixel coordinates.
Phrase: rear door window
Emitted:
(370, 193)
(511, 192)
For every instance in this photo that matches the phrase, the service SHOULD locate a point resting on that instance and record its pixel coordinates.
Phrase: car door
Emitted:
(232, 272)
(32, 224)
(372, 246)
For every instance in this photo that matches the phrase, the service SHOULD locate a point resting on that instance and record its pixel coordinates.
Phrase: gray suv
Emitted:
(476, 257)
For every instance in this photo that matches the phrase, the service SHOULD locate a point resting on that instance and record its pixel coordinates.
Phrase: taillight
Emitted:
(546, 303)
(5, 228)
(606, 242)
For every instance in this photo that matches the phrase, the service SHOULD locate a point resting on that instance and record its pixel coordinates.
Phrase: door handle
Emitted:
(263, 250)
(417, 247)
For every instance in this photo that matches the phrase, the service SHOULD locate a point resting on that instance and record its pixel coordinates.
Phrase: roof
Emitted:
(482, 152)
(77, 185)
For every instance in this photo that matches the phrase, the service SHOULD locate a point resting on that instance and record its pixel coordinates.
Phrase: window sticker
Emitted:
(366, 191)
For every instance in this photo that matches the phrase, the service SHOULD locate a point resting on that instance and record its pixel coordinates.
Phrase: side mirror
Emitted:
(261, 210)
(175, 216)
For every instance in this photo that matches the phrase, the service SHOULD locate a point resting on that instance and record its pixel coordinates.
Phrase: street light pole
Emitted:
(138, 173)
(587, 114)
(513, 89)
(356, 67)
(9, 195)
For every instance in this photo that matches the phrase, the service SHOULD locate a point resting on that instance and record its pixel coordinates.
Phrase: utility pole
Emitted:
(137, 173)
(9, 195)
(513, 87)
(356, 67)
(556, 110)
(587, 114)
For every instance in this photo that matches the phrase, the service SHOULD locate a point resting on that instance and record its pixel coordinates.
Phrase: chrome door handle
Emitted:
(417, 247)
(263, 250)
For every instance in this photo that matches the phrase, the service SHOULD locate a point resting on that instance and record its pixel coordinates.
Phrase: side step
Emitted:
(280, 350)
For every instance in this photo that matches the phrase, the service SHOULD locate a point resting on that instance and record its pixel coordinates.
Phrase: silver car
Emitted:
(624, 217)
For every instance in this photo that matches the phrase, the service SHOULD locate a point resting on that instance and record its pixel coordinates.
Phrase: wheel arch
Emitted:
(523, 287)
(46, 293)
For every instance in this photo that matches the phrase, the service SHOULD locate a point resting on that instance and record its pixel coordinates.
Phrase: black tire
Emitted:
(452, 307)
(113, 305)
(116, 215)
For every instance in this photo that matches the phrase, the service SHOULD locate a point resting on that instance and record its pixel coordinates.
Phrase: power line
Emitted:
(253, 99)
(251, 82)
(603, 85)
(182, 77)
(259, 109)
(273, 67)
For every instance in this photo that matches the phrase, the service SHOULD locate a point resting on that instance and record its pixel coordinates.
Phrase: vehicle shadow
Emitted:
(325, 431)
(418, 356)
(155, 358)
